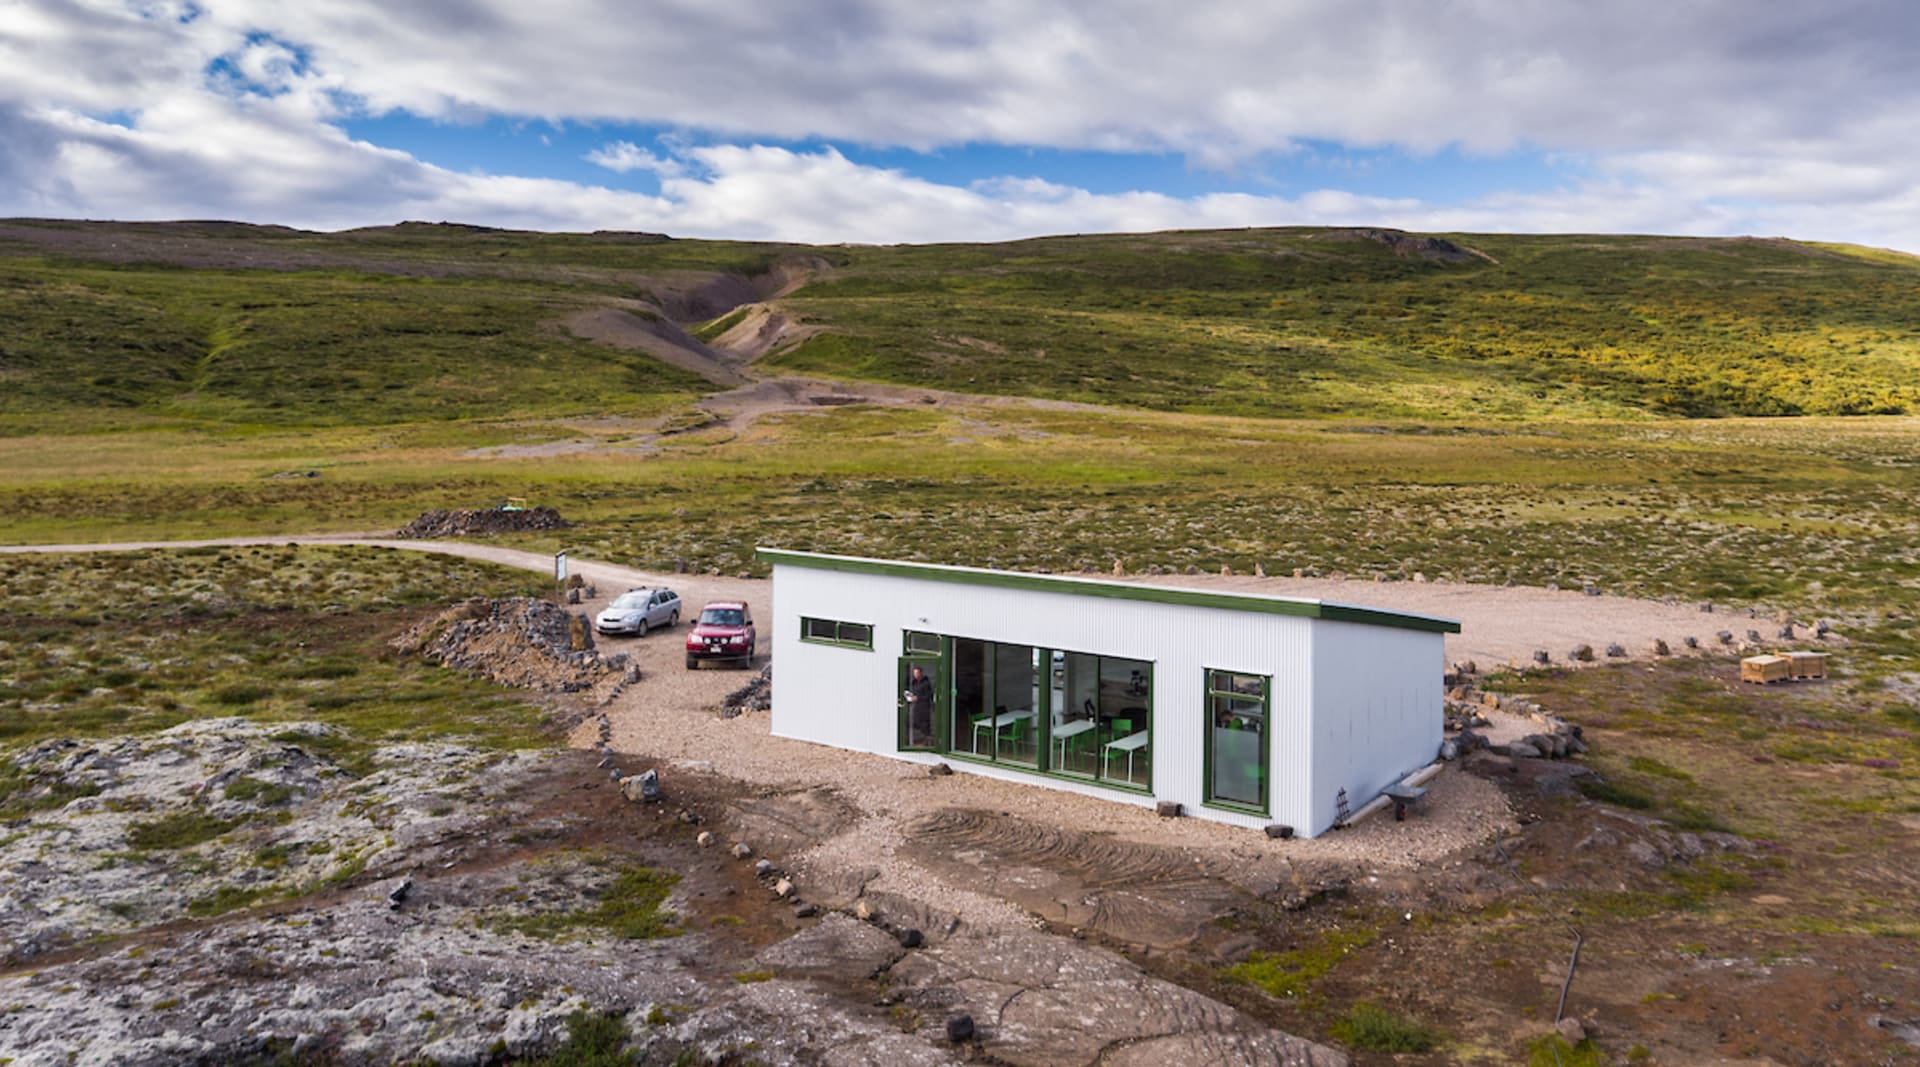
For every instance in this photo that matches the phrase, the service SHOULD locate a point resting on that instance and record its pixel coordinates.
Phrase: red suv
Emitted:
(725, 631)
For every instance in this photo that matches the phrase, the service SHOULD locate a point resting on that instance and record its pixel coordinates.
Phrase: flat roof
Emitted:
(1096, 587)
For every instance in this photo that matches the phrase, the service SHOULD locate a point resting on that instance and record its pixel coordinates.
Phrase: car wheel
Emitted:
(641, 631)
(691, 662)
(673, 620)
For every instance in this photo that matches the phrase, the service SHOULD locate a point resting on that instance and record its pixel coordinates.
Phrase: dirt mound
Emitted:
(1401, 243)
(441, 522)
(521, 642)
(761, 331)
(643, 329)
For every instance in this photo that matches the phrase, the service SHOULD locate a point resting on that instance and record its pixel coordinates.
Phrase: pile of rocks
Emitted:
(756, 695)
(1464, 704)
(441, 522)
(522, 642)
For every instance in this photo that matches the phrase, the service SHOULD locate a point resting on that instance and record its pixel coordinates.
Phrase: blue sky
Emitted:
(559, 150)
(897, 121)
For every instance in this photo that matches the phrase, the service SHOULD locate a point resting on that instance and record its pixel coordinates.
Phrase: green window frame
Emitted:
(1239, 703)
(836, 632)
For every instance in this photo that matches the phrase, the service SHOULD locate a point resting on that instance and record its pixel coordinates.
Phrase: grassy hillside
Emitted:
(1318, 323)
(120, 324)
(115, 323)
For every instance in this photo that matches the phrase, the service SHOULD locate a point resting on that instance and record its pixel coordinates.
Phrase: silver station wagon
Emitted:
(638, 610)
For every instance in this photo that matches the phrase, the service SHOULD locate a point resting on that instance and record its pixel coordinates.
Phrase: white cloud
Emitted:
(624, 156)
(1718, 116)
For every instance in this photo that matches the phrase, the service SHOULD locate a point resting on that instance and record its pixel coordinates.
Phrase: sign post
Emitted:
(560, 577)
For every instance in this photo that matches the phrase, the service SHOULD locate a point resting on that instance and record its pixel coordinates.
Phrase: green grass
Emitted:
(188, 634)
(1371, 1027)
(1552, 1050)
(594, 1039)
(709, 330)
(1292, 974)
(143, 323)
(628, 907)
(253, 790)
(229, 898)
(1300, 323)
(180, 830)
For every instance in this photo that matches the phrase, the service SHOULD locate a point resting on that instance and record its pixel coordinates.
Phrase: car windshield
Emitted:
(635, 599)
(723, 617)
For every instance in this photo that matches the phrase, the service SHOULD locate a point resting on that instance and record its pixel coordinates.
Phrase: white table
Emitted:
(1005, 718)
(1070, 729)
(1129, 744)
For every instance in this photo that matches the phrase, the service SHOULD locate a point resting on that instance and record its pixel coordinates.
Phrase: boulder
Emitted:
(641, 788)
(1581, 654)
(836, 948)
(1540, 656)
(1659, 647)
(1616, 651)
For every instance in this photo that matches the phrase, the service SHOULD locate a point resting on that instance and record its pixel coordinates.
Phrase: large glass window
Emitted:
(1072, 713)
(1237, 738)
(997, 701)
(1102, 722)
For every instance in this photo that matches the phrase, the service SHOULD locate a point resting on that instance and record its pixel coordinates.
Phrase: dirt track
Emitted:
(1499, 625)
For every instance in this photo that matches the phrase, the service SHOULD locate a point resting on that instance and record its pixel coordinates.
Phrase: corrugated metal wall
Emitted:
(846, 697)
(1377, 695)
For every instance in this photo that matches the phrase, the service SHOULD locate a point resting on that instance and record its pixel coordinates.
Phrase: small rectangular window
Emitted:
(835, 632)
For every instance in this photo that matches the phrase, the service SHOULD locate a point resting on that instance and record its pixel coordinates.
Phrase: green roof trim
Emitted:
(1095, 587)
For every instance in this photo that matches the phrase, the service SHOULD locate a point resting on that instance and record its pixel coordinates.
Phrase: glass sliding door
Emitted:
(1125, 733)
(1237, 739)
(997, 701)
(1018, 704)
(1076, 714)
(972, 729)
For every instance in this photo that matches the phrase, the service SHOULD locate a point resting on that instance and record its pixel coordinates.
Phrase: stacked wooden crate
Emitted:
(1765, 670)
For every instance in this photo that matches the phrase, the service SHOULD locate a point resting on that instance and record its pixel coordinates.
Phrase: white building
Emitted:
(1246, 709)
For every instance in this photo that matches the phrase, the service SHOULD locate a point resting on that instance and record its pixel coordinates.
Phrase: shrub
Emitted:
(1619, 796)
(181, 830)
(1376, 1029)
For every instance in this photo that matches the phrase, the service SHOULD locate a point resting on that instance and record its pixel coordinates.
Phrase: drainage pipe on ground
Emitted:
(1382, 802)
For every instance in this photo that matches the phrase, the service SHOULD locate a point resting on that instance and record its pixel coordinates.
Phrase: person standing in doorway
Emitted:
(920, 708)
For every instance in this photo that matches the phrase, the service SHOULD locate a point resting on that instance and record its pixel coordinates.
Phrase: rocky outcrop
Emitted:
(441, 522)
(521, 642)
(756, 695)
